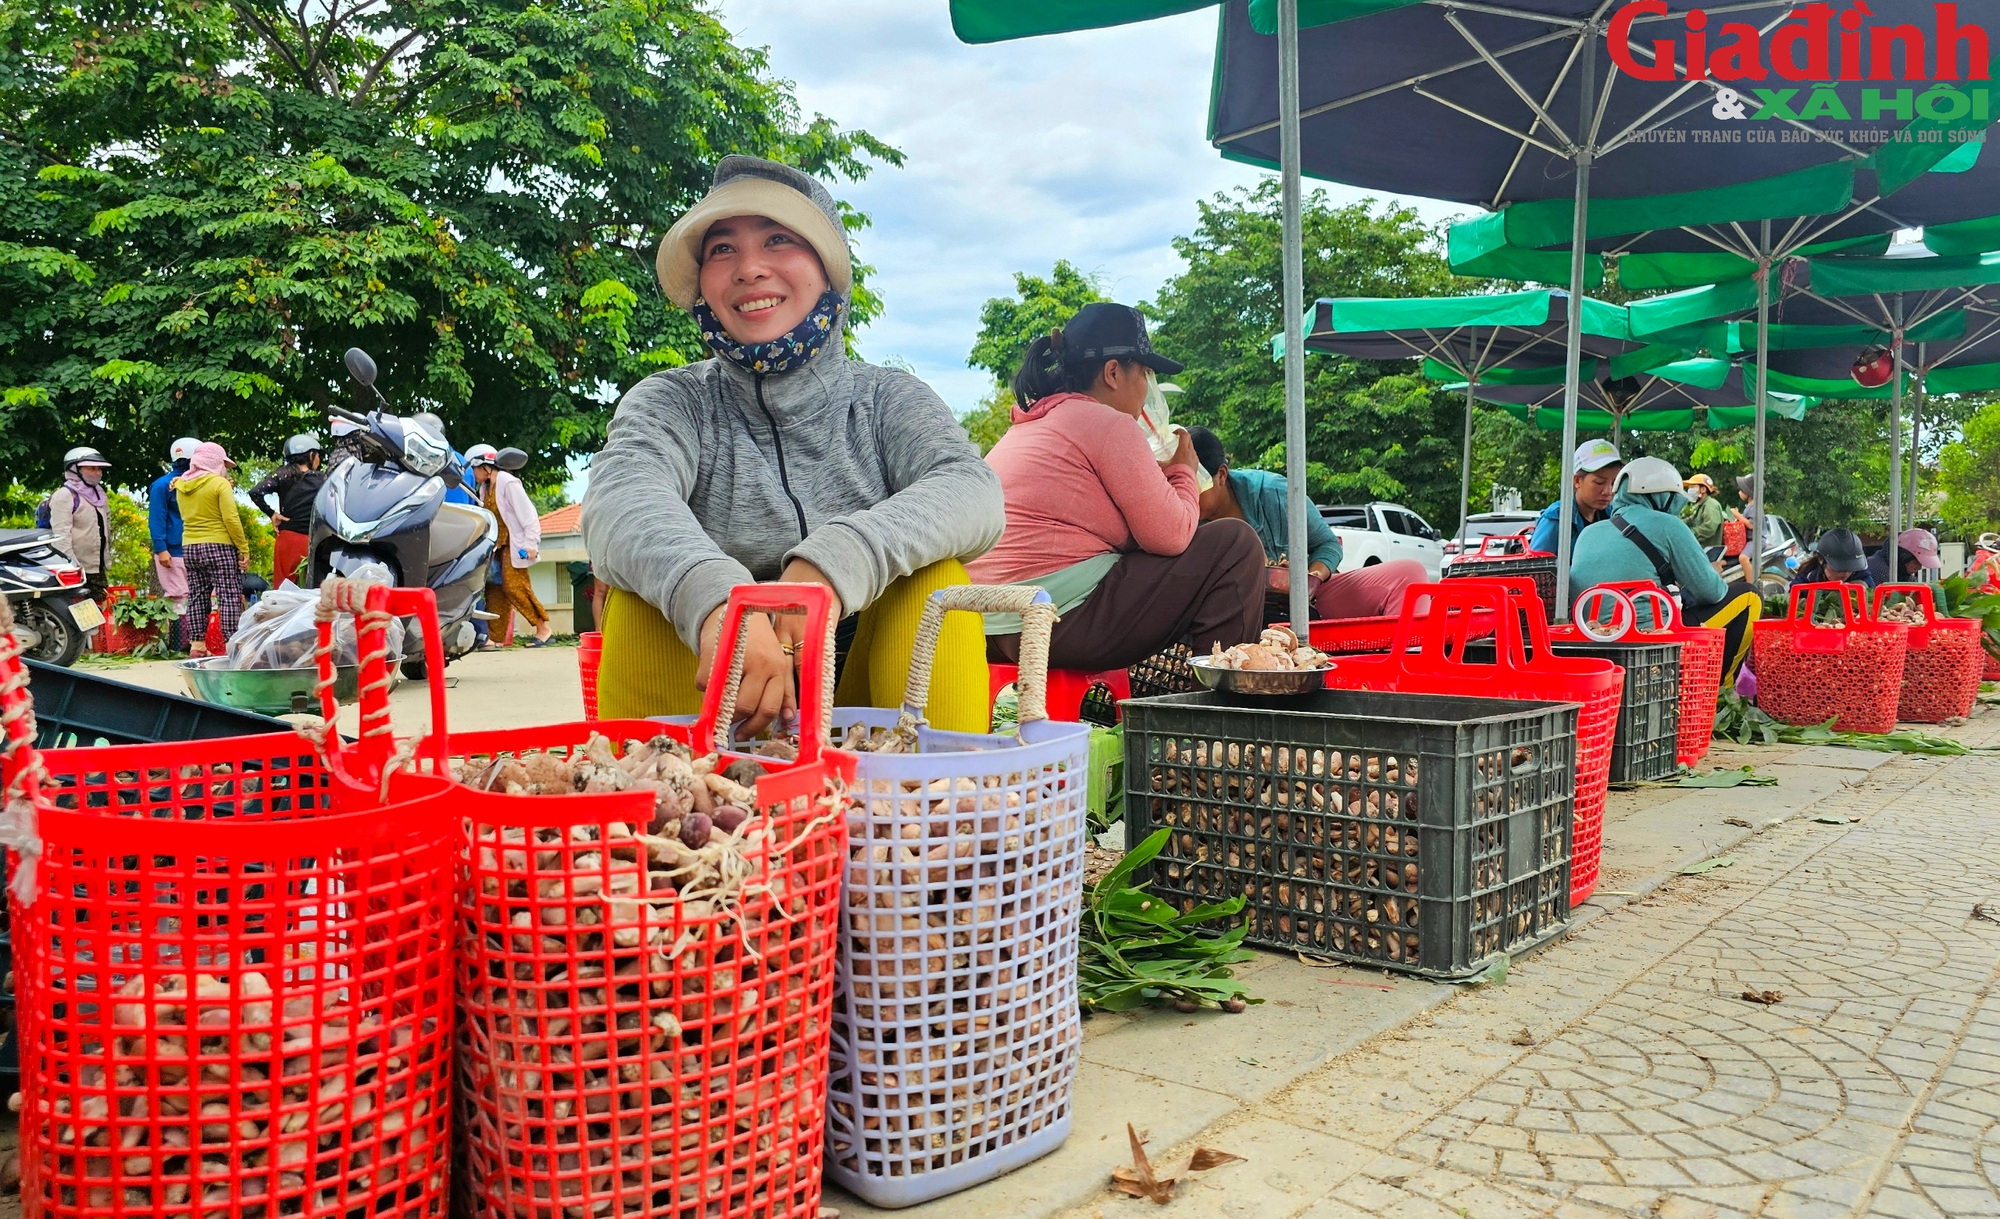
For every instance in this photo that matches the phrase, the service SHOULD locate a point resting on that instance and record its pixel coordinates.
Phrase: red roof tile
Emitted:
(563, 520)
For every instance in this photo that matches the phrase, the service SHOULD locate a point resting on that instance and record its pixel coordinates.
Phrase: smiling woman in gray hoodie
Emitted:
(780, 459)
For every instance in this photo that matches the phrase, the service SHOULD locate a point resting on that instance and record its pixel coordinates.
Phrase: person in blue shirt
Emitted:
(1643, 537)
(1597, 466)
(163, 532)
(1262, 499)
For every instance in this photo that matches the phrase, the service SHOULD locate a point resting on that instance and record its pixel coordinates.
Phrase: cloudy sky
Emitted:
(1083, 146)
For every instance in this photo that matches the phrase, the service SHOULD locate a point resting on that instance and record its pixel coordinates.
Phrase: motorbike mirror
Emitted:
(451, 475)
(361, 366)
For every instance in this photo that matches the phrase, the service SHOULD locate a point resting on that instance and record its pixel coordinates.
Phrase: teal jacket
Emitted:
(1604, 555)
(1264, 496)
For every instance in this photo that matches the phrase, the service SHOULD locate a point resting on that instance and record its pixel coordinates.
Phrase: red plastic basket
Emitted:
(1351, 636)
(1437, 666)
(1942, 666)
(672, 1067)
(1702, 649)
(119, 639)
(589, 654)
(235, 979)
(1850, 672)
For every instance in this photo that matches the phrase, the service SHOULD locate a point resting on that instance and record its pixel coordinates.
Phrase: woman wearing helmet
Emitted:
(1984, 573)
(296, 484)
(80, 516)
(1644, 538)
(1706, 516)
(519, 545)
(781, 458)
(164, 535)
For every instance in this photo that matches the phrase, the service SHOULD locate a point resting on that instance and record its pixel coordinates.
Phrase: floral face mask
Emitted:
(782, 354)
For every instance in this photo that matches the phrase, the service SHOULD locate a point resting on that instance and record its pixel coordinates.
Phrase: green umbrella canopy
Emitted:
(1674, 397)
(1471, 337)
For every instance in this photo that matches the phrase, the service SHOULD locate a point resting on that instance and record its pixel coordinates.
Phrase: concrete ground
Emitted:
(505, 689)
(1616, 1072)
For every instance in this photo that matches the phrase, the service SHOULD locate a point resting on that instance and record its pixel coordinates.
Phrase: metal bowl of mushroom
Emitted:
(1277, 664)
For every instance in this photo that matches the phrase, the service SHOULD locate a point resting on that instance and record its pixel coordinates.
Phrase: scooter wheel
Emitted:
(415, 670)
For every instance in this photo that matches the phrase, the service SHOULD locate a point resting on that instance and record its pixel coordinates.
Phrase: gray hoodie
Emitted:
(712, 477)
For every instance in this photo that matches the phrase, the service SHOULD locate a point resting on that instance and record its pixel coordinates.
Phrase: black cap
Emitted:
(1105, 331)
(1840, 550)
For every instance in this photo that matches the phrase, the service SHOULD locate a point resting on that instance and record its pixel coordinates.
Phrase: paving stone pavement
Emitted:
(1622, 1073)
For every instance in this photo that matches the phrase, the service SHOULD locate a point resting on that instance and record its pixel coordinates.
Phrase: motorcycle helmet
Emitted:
(1873, 367)
(344, 427)
(1840, 550)
(430, 422)
(84, 455)
(482, 455)
(1650, 475)
(511, 459)
(301, 446)
(183, 448)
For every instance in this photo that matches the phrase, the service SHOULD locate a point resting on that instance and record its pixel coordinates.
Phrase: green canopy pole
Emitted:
(1892, 548)
(1579, 235)
(1295, 310)
(1465, 464)
(1917, 433)
(1756, 546)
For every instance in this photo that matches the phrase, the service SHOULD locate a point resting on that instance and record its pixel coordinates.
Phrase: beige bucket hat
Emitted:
(752, 186)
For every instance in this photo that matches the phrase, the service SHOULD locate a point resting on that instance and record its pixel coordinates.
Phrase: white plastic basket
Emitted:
(955, 1028)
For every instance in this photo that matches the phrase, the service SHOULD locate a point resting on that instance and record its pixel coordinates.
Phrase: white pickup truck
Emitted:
(1378, 532)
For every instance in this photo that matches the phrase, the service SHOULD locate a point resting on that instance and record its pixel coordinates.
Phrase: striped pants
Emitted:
(213, 571)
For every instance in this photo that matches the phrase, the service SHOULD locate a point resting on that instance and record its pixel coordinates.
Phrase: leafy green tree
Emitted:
(1969, 475)
(1374, 430)
(989, 421)
(203, 204)
(1008, 324)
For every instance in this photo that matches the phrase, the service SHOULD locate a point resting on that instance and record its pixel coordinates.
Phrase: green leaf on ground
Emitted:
(1709, 865)
(1746, 776)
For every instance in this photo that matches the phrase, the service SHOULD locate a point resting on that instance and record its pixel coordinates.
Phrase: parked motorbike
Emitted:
(388, 507)
(53, 612)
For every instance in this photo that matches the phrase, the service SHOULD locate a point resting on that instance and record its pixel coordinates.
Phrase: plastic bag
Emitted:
(1155, 421)
(280, 631)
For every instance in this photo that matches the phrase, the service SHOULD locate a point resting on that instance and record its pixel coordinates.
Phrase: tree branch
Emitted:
(388, 56)
(271, 36)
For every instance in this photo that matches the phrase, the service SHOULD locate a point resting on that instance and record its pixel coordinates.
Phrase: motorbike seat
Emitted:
(13, 538)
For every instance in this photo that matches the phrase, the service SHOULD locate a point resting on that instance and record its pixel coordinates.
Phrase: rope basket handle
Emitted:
(1038, 619)
(718, 705)
(374, 606)
(26, 778)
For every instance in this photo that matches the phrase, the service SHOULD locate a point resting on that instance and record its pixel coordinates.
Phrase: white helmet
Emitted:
(482, 455)
(344, 427)
(1649, 475)
(183, 448)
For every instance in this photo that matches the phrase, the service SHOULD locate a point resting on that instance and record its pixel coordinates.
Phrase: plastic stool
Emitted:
(1067, 688)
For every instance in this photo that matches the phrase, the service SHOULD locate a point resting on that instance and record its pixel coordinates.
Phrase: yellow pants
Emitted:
(647, 670)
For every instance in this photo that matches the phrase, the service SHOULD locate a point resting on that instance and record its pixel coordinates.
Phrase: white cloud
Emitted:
(1088, 146)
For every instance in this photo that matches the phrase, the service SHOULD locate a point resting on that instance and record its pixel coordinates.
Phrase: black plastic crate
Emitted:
(1541, 568)
(1422, 833)
(1649, 716)
(73, 709)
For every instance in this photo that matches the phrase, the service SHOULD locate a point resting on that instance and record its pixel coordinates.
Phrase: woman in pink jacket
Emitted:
(520, 544)
(1112, 534)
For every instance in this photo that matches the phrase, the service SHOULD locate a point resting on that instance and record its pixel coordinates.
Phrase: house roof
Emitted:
(562, 521)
